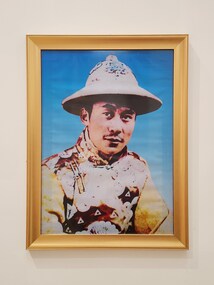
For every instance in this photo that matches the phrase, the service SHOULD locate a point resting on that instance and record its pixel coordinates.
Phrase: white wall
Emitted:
(21, 17)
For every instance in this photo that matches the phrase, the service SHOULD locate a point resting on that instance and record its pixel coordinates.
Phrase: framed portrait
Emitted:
(107, 141)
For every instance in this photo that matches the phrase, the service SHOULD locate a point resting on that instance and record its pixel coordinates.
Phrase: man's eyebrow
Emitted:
(114, 107)
(129, 111)
(109, 106)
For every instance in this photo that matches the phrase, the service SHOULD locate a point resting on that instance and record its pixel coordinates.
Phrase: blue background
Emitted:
(65, 72)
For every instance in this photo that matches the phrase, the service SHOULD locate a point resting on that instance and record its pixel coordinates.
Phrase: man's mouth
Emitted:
(113, 139)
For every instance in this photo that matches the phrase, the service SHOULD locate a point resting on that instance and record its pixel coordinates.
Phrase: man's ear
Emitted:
(84, 116)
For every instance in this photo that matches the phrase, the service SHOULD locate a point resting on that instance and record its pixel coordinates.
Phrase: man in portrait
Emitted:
(98, 186)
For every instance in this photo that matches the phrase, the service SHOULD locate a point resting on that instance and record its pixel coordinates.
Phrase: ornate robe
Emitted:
(83, 193)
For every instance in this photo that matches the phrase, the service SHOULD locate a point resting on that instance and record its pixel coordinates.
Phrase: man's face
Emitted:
(110, 126)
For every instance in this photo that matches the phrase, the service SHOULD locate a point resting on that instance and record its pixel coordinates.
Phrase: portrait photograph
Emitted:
(107, 142)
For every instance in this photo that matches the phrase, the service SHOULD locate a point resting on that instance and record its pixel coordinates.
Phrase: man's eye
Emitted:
(108, 115)
(126, 118)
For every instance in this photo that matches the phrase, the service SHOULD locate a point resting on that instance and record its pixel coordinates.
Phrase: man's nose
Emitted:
(115, 125)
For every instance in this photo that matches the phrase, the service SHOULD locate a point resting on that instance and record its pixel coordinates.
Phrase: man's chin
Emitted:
(110, 151)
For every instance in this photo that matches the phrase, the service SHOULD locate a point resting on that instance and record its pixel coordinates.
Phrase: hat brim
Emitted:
(138, 99)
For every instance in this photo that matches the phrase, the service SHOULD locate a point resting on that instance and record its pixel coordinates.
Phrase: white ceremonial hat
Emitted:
(113, 81)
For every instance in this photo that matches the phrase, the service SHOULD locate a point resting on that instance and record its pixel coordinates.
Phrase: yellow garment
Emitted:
(85, 194)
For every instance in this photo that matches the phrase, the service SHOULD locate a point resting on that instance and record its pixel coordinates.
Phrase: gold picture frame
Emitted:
(179, 45)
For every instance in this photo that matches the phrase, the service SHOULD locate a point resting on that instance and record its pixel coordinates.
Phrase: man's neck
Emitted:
(112, 158)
